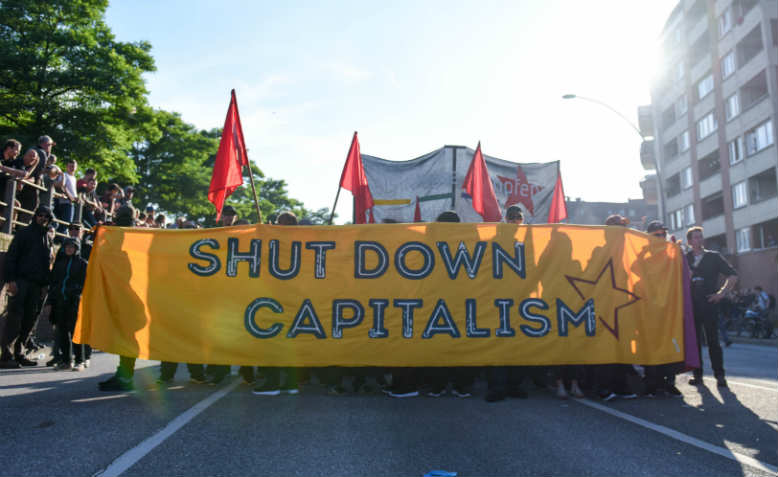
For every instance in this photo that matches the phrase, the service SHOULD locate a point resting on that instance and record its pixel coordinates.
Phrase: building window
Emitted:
(688, 213)
(712, 206)
(668, 117)
(743, 239)
(680, 71)
(736, 150)
(728, 64)
(673, 185)
(762, 186)
(766, 234)
(725, 21)
(759, 138)
(681, 106)
(675, 219)
(732, 107)
(686, 178)
(705, 86)
(739, 195)
(706, 126)
(671, 150)
(683, 141)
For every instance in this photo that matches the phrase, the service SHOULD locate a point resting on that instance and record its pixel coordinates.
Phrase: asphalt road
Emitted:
(58, 423)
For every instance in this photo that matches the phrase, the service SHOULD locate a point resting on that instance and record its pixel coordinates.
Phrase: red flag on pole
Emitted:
(417, 212)
(228, 167)
(353, 178)
(558, 211)
(479, 187)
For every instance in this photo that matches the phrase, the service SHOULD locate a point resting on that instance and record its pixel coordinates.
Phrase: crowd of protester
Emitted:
(37, 278)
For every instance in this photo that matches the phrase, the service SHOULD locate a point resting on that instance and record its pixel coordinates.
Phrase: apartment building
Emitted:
(713, 116)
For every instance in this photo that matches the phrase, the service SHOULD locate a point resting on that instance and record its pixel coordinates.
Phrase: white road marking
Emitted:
(738, 383)
(724, 452)
(101, 398)
(129, 458)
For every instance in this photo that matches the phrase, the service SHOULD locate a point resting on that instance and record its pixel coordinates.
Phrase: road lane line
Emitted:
(129, 458)
(738, 383)
(722, 451)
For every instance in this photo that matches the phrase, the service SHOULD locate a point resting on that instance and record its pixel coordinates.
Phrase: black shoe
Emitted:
(117, 384)
(518, 393)
(216, 380)
(673, 391)
(248, 376)
(197, 379)
(26, 362)
(52, 362)
(696, 381)
(494, 396)
(721, 382)
(727, 344)
(9, 364)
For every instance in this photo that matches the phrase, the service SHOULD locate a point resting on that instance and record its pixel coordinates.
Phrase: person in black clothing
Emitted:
(26, 274)
(706, 267)
(67, 282)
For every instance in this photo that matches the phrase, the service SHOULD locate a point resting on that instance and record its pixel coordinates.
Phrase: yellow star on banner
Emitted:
(605, 288)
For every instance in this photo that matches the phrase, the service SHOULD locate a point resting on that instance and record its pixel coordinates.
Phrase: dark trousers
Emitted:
(65, 317)
(461, 378)
(500, 379)
(126, 369)
(167, 370)
(706, 320)
(273, 377)
(64, 212)
(23, 309)
(661, 376)
(28, 199)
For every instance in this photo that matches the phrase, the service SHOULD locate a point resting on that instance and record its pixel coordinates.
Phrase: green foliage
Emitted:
(64, 74)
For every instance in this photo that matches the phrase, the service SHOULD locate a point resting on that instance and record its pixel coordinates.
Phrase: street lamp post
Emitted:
(643, 138)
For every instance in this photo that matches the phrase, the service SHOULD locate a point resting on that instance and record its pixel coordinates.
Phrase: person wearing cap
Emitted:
(66, 283)
(229, 216)
(660, 377)
(26, 274)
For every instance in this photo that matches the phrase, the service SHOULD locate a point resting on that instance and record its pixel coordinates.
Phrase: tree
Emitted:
(64, 74)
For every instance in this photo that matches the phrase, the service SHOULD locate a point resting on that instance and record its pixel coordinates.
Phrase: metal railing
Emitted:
(46, 196)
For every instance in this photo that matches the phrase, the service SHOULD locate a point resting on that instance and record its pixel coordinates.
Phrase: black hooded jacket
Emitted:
(67, 276)
(28, 255)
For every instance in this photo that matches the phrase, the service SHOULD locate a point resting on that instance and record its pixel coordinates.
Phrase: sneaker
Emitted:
(115, 383)
(291, 391)
(64, 367)
(461, 393)
(403, 393)
(197, 379)
(78, 367)
(217, 380)
(266, 390)
(336, 390)
(248, 376)
(26, 362)
(494, 396)
(609, 397)
(52, 362)
(671, 390)
(163, 383)
(436, 392)
(628, 396)
(696, 381)
(518, 393)
(10, 364)
(721, 382)
(561, 392)
(87, 362)
(575, 391)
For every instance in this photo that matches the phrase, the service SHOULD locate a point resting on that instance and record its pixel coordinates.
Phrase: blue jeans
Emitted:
(64, 212)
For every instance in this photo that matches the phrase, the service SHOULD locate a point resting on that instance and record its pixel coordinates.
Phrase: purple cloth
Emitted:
(691, 355)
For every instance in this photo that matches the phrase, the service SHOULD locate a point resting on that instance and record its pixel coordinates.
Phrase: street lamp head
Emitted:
(568, 96)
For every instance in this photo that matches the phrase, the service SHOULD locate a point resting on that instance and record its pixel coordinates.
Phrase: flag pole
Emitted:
(248, 163)
(340, 183)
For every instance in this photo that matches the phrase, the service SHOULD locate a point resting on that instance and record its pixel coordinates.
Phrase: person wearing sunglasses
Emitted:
(26, 273)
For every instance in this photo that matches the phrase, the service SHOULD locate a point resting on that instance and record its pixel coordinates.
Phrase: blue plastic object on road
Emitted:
(440, 473)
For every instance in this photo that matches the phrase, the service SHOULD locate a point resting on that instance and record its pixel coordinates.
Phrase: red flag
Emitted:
(354, 179)
(558, 211)
(479, 187)
(417, 212)
(228, 167)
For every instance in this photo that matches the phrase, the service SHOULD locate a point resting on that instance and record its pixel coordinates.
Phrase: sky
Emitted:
(410, 77)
